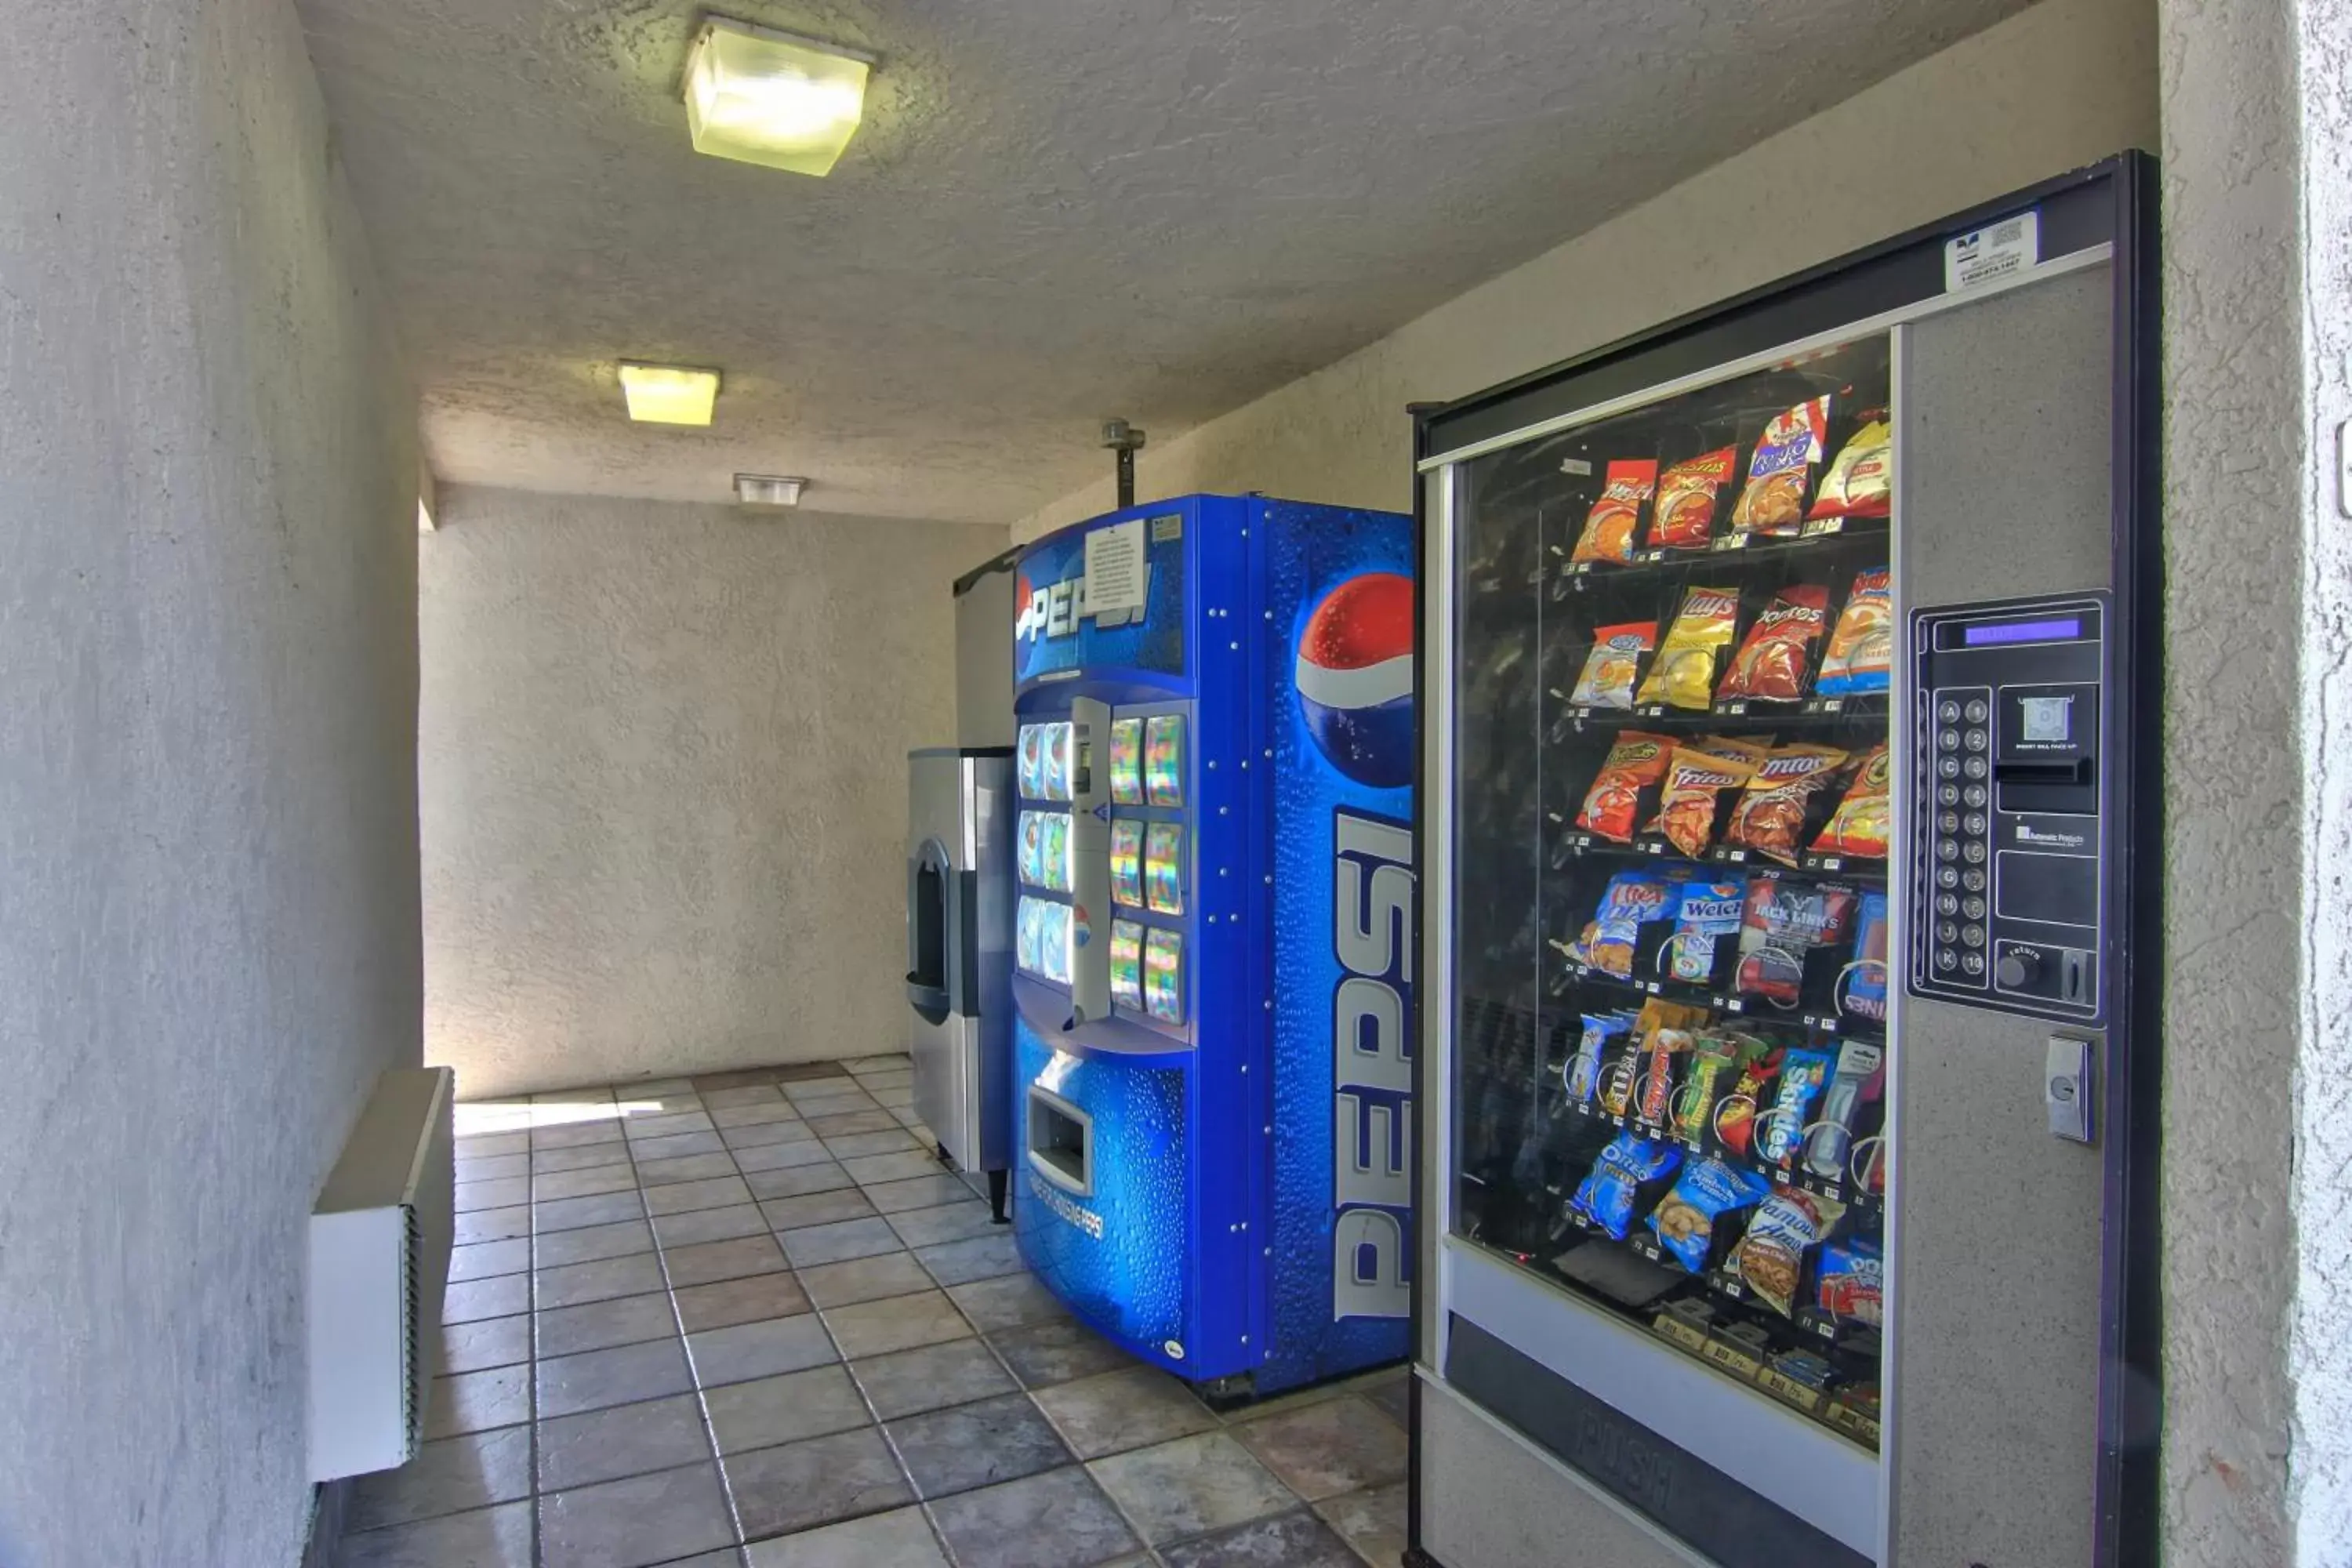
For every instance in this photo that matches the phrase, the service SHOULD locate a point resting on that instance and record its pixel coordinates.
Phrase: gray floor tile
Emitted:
(1058, 1519)
(881, 1062)
(478, 1401)
(900, 1539)
(675, 1146)
(600, 1325)
(802, 1484)
(504, 1191)
(869, 1145)
(911, 1122)
(682, 1197)
(493, 1225)
(895, 1323)
(917, 1192)
(1394, 1394)
(1007, 1302)
(493, 1167)
(880, 1077)
(1293, 1540)
(643, 1519)
(810, 1072)
(908, 1382)
(654, 1089)
(751, 1299)
(573, 1283)
(622, 1440)
(840, 1125)
(642, 1127)
(571, 1213)
(684, 1168)
(715, 1100)
(491, 1145)
(800, 1181)
(711, 1261)
(586, 1182)
(864, 1279)
(470, 1300)
(947, 1222)
(817, 1208)
(1321, 1450)
(1115, 1411)
(746, 1351)
(768, 1411)
(706, 1084)
(979, 1444)
(581, 1157)
(744, 1126)
(1191, 1485)
(621, 1375)
(557, 1248)
(873, 1169)
(447, 1476)
(575, 1135)
(478, 1346)
(698, 1225)
(1371, 1522)
(823, 1090)
(582, 1094)
(487, 1538)
(1042, 1354)
(839, 1242)
(982, 1258)
(487, 1260)
(782, 1155)
(725, 1557)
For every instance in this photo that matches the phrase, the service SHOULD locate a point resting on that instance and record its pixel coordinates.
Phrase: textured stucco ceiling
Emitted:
(1058, 210)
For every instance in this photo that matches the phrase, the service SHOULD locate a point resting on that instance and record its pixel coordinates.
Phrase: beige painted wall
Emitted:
(2058, 85)
(662, 765)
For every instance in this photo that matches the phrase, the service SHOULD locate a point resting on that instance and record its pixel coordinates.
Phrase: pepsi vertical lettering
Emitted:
(1372, 937)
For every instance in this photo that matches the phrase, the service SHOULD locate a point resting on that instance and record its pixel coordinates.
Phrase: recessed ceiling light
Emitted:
(763, 97)
(668, 394)
(768, 489)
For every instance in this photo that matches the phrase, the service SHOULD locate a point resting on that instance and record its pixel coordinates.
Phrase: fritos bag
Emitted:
(1614, 805)
(1773, 809)
(1683, 517)
(1770, 665)
(1695, 780)
(1615, 660)
(1859, 825)
(1862, 649)
(1781, 471)
(1616, 517)
(1857, 484)
(1683, 675)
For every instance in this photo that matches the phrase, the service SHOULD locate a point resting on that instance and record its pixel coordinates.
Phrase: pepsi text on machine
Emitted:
(1055, 609)
(1372, 1066)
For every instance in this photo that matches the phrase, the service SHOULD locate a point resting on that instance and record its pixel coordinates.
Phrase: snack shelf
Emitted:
(1866, 707)
(1579, 576)
(1677, 991)
(1581, 846)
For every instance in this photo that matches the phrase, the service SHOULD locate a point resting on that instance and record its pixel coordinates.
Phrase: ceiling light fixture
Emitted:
(760, 96)
(668, 394)
(768, 489)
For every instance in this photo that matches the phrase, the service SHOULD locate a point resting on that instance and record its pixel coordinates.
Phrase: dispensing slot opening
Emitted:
(1061, 1143)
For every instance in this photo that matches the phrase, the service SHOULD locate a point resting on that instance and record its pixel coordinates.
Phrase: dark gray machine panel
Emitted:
(2010, 839)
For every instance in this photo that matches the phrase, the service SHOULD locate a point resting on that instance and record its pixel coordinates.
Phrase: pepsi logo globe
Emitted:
(1354, 677)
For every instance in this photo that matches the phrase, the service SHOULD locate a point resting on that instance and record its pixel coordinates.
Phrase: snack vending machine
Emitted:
(1789, 816)
(1214, 968)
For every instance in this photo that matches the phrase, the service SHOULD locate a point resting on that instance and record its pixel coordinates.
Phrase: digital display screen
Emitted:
(2044, 719)
(2065, 629)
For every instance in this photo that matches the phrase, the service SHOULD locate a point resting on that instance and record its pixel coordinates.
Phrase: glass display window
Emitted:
(1126, 963)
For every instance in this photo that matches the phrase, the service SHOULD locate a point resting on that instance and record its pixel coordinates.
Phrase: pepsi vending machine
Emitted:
(1214, 951)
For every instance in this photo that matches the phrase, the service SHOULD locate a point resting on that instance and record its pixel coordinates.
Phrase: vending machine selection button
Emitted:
(1974, 963)
(1978, 711)
(1977, 767)
(1948, 933)
(1949, 877)
(1974, 854)
(1950, 822)
(1973, 908)
(1948, 959)
(1949, 711)
(1948, 766)
(1973, 936)
(1979, 739)
(1948, 904)
(1950, 849)
(1975, 794)
(1974, 881)
(1948, 794)
(1977, 823)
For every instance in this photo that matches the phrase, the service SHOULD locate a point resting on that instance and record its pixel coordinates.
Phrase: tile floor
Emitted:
(746, 1321)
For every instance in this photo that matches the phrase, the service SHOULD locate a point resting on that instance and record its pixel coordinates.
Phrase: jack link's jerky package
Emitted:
(1861, 656)
(1627, 1177)
(1683, 675)
(1860, 483)
(1614, 661)
(1687, 1219)
(1859, 827)
(1685, 515)
(1781, 471)
(1786, 920)
(1770, 665)
(1614, 805)
(1771, 1257)
(1615, 518)
(1779, 800)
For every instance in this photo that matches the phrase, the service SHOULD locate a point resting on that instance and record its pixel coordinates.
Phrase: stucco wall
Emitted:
(208, 920)
(663, 764)
(2064, 84)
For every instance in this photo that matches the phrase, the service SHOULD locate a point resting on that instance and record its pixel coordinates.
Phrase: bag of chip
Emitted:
(1613, 807)
(1683, 517)
(1695, 782)
(1861, 654)
(1784, 921)
(1862, 985)
(1624, 1181)
(1831, 1139)
(1770, 665)
(1705, 915)
(1688, 1218)
(1859, 827)
(1630, 898)
(1614, 661)
(1610, 527)
(1684, 673)
(1781, 471)
(1779, 798)
(1735, 1114)
(1771, 1257)
(1581, 1076)
(1858, 483)
(1849, 1284)
(1803, 1074)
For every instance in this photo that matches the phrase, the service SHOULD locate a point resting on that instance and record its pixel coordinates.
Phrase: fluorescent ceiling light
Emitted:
(768, 489)
(668, 394)
(763, 97)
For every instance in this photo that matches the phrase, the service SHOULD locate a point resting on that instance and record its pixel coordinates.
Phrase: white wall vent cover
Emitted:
(379, 1259)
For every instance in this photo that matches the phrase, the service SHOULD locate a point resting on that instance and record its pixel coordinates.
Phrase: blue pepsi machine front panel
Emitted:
(1242, 1206)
